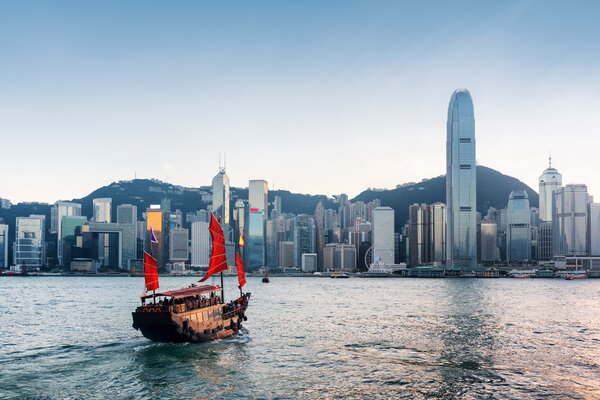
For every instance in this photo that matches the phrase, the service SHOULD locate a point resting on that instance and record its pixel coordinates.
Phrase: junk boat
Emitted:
(196, 313)
(266, 278)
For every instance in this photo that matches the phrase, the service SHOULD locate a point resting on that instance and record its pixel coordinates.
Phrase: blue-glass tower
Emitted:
(461, 182)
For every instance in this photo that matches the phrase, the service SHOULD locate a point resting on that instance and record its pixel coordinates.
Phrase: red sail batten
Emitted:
(218, 259)
(150, 272)
(240, 270)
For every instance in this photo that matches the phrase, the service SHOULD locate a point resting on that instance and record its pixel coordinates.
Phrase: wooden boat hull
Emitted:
(196, 326)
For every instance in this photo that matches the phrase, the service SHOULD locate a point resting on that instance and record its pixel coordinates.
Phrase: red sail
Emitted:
(150, 272)
(218, 259)
(240, 270)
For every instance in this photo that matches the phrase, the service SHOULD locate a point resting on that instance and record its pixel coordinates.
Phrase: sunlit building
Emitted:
(461, 182)
(157, 221)
(102, 209)
(29, 247)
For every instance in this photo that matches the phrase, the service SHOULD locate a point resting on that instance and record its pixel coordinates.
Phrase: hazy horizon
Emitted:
(317, 98)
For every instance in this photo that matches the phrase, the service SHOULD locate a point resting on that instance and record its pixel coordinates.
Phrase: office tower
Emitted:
(304, 237)
(29, 247)
(178, 245)
(570, 220)
(488, 241)
(68, 228)
(309, 262)
(157, 221)
(126, 214)
(271, 243)
(285, 254)
(277, 206)
(550, 180)
(461, 182)
(102, 209)
(200, 244)
(383, 235)
(108, 244)
(220, 200)
(339, 257)
(594, 246)
(545, 247)
(4, 246)
(63, 209)
(254, 238)
(175, 219)
(165, 204)
(258, 195)
(239, 215)
(518, 229)
(427, 234)
(320, 239)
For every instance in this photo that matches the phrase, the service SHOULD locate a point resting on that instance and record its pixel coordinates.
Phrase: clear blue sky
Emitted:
(317, 97)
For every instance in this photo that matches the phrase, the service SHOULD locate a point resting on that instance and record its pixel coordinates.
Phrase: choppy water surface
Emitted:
(71, 337)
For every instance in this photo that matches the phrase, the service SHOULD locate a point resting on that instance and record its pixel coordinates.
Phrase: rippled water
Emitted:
(71, 337)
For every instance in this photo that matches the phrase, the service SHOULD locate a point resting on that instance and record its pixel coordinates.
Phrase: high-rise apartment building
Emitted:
(383, 235)
(461, 182)
(570, 221)
(550, 180)
(518, 229)
(102, 209)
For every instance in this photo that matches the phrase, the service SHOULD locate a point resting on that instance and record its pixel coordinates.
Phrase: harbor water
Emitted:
(309, 338)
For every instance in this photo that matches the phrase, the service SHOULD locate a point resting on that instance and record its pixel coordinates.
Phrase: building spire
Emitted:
(550, 159)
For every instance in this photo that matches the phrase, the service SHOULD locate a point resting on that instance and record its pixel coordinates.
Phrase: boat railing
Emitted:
(181, 307)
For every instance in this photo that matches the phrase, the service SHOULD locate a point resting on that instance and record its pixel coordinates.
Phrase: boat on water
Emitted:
(195, 313)
(339, 276)
(266, 278)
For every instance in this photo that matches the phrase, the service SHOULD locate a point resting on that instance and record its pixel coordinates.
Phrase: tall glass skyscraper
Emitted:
(461, 182)
(550, 180)
(518, 230)
(220, 205)
(570, 220)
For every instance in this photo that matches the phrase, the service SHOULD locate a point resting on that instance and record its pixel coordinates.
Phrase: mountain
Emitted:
(493, 189)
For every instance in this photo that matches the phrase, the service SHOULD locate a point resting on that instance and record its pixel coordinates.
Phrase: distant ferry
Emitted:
(196, 313)
(339, 276)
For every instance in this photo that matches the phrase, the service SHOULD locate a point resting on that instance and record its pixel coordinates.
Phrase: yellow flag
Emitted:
(241, 240)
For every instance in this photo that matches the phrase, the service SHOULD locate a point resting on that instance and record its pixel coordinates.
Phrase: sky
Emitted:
(319, 97)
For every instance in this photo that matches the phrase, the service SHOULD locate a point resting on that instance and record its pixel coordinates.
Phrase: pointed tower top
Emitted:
(550, 159)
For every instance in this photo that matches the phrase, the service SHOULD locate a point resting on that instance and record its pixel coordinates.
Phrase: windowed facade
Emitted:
(461, 182)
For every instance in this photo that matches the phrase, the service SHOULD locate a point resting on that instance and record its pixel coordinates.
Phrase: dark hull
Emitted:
(172, 327)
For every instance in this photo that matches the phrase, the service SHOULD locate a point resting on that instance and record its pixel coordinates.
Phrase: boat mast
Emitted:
(222, 289)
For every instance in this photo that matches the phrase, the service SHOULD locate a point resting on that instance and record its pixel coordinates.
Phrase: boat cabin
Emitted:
(181, 300)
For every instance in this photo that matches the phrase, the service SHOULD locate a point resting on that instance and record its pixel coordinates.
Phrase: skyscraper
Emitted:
(304, 237)
(200, 244)
(254, 249)
(258, 194)
(461, 182)
(594, 229)
(126, 214)
(383, 235)
(102, 209)
(3, 246)
(550, 180)
(220, 199)
(63, 209)
(518, 229)
(29, 247)
(570, 221)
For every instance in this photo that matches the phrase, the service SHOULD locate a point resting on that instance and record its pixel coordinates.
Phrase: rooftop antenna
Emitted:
(550, 159)
(221, 168)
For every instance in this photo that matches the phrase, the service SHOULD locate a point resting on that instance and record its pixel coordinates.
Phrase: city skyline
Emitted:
(205, 79)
